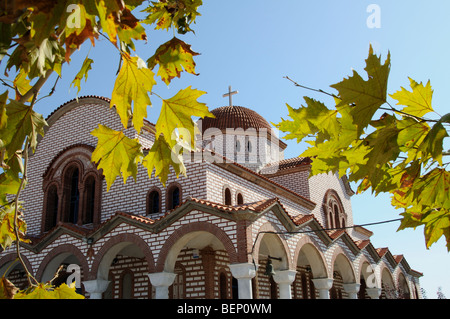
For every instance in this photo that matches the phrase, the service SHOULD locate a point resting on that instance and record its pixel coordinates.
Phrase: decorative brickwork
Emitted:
(223, 214)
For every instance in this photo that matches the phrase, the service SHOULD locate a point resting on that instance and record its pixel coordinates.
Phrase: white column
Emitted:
(374, 293)
(244, 274)
(96, 288)
(161, 281)
(323, 285)
(352, 290)
(284, 279)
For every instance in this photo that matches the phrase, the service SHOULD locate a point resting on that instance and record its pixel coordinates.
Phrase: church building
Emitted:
(243, 223)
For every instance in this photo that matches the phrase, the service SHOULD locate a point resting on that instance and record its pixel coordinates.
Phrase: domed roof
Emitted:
(235, 117)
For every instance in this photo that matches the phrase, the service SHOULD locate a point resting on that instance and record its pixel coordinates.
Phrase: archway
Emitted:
(343, 275)
(199, 255)
(64, 264)
(388, 288)
(310, 264)
(125, 261)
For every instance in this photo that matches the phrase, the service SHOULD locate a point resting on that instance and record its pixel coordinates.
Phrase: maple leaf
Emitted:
(7, 289)
(22, 122)
(172, 57)
(83, 73)
(177, 111)
(179, 13)
(63, 291)
(366, 96)
(417, 102)
(160, 158)
(116, 154)
(133, 85)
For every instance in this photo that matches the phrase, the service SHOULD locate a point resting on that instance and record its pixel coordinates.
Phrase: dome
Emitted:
(235, 117)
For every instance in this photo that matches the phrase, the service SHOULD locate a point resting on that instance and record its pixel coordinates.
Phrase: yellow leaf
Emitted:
(172, 57)
(116, 154)
(177, 111)
(417, 102)
(66, 292)
(133, 84)
(7, 289)
(42, 291)
(160, 157)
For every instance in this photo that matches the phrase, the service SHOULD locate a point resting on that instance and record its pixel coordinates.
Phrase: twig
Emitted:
(311, 89)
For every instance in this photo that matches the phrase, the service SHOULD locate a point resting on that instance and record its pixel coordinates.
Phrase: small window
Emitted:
(153, 202)
(249, 146)
(173, 196)
(90, 200)
(227, 196)
(52, 208)
(240, 199)
(238, 146)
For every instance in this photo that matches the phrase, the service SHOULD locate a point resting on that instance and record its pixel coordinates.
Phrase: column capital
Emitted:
(96, 288)
(323, 285)
(352, 290)
(244, 270)
(374, 293)
(161, 281)
(284, 278)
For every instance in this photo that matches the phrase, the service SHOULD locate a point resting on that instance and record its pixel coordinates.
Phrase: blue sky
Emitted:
(251, 45)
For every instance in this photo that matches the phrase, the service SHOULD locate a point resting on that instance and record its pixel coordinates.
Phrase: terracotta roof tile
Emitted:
(235, 117)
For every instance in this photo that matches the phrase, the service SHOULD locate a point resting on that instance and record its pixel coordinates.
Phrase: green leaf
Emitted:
(133, 85)
(83, 73)
(179, 14)
(417, 101)
(161, 157)
(172, 57)
(433, 142)
(366, 96)
(177, 111)
(22, 122)
(116, 154)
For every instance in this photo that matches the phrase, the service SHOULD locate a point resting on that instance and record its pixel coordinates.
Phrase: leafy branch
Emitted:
(399, 152)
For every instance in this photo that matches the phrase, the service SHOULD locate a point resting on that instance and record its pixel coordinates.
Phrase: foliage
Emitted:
(390, 149)
(37, 38)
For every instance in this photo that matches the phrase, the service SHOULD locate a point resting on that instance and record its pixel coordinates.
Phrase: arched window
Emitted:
(51, 213)
(173, 196)
(89, 202)
(334, 210)
(239, 199)
(72, 188)
(227, 195)
(72, 195)
(153, 202)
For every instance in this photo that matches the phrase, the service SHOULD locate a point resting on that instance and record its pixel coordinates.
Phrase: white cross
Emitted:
(230, 94)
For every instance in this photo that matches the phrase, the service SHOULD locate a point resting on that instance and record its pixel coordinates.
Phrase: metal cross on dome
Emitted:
(230, 94)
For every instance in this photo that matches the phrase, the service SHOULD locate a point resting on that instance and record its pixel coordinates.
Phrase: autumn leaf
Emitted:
(7, 289)
(366, 96)
(22, 122)
(83, 73)
(66, 292)
(42, 291)
(116, 154)
(7, 231)
(133, 85)
(180, 14)
(160, 158)
(177, 112)
(172, 57)
(418, 101)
